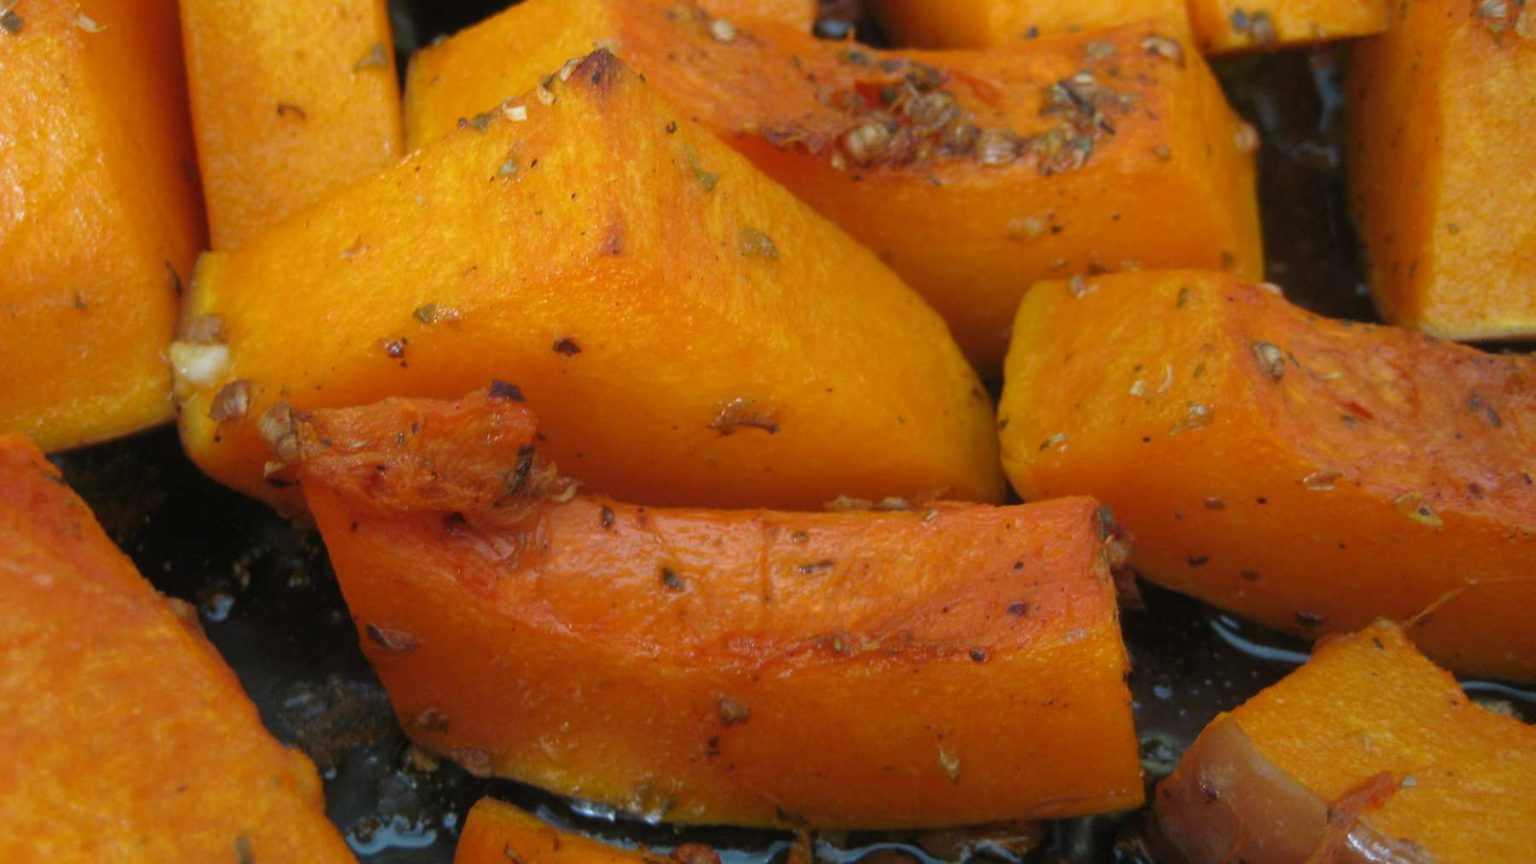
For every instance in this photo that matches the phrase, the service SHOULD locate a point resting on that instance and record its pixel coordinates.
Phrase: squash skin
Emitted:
(1438, 152)
(496, 832)
(1297, 501)
(1219, 26)
(1376, 744)
(724, 667)
(127, 739)
(593, 255)
(100, 221)
(287, 105)
(969, 236)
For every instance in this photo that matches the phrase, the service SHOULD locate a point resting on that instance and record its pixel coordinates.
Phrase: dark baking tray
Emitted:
(270, 602)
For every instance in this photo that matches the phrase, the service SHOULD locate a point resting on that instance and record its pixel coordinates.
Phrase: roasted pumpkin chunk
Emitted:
(1309, 473)
(1439, 157)
(740, 667)
(1368, 753)
(688, 331)
(1220, 26)
(99, 218)
(288, 105)
(972, 174)
(126, 737)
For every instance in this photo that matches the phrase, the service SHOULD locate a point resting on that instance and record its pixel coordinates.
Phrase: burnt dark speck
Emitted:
(504, 390)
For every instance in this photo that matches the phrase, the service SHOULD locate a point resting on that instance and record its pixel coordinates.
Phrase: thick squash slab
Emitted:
(290, 102)
(1220, 26)
(951, 665)
(972, 174)
(126, 738)
(1439, 153)
(688, 330)
(1368, 753)
(1312, 474)
(100, 220)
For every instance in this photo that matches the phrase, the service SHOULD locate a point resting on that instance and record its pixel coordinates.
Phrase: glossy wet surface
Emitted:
(270, 603)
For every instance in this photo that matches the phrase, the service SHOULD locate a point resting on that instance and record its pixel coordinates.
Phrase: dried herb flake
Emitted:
(732, 713)
(753, 243)
(950, 762)
(376, 58)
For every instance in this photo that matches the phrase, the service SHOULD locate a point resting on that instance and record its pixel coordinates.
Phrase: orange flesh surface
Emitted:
(991, 23)
(127, 739)
(1104, 167)
(496, 833)
(726, 667)
(100, 220)
(616, 264)
(290, 102)
(799, 14)
(1220, 26)
(1371, 741)
(1439, 160)
(1361, 472)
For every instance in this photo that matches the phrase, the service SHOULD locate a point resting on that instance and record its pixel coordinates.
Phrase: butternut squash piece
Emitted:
(738, 667)
(1369, 753)
(972, 174)
(689, 331)
(1219, 26)
(496, 832)
(100, 220)
(288, 105)
(126, 738)
(1439, 167)
(1311, 474)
